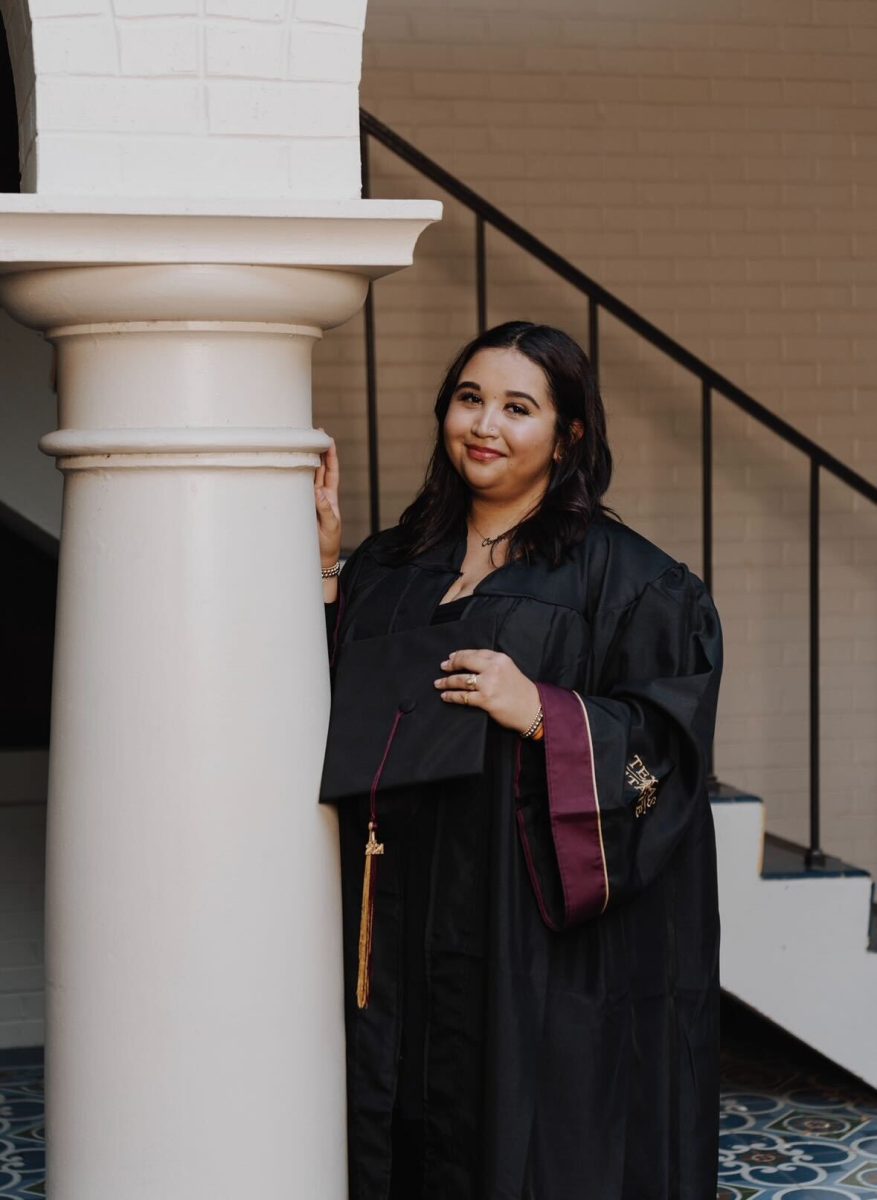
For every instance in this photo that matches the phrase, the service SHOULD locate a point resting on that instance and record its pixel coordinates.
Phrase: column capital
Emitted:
(184, 332)
(371, 237)
(202, 260)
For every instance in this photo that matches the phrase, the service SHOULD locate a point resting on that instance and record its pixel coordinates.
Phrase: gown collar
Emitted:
(537, 580)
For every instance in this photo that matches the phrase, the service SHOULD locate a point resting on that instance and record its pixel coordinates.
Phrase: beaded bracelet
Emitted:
(331, 572)
(537, 723)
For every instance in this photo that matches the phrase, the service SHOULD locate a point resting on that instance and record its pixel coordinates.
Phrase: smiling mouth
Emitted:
(483, 454)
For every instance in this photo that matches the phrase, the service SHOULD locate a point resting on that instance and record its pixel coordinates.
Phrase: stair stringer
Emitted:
(795, 950)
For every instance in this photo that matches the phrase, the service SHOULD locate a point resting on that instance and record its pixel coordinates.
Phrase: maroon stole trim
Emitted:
(573, 805)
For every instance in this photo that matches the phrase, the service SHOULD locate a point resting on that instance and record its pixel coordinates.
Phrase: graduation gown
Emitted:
(565, 907)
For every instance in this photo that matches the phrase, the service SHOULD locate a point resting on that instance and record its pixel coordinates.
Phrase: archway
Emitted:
(10, 175)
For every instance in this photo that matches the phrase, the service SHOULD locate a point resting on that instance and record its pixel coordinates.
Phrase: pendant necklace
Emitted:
(491, 541)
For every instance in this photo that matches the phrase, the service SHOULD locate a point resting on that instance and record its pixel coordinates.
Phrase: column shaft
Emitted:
(195, 1008)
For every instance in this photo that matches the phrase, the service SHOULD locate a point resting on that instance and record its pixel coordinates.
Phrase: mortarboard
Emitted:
(386, 709)
(389, 728)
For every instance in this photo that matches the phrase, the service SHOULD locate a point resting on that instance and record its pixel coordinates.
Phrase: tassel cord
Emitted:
(373, 849)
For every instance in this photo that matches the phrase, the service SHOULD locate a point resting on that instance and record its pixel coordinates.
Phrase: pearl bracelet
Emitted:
(331, 572)
(537, 721)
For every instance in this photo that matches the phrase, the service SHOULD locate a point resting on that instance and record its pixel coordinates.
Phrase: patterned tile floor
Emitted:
(793, 1127)
(792, 1124)
(22, 1137)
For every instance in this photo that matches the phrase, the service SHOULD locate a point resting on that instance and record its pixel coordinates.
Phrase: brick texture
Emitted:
(715, 165)
(188, 97)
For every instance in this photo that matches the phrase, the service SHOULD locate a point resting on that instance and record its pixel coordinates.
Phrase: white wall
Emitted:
(188, 98)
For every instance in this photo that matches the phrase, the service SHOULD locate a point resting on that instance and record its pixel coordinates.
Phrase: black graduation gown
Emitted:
(570, 926)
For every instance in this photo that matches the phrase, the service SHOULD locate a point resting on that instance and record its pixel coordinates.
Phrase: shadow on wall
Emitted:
(10, 176)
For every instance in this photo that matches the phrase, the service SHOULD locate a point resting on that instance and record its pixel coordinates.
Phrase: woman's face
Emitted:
(499, 430)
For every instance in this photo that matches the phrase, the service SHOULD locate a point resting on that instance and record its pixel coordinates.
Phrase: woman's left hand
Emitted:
(501, 688)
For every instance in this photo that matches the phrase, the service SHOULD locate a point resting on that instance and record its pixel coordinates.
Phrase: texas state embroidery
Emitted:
(638, 776)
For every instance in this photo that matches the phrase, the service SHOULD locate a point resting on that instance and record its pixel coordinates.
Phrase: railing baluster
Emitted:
(706, 459)
(594, 337)
(371, 383)
(815, 856)
(371, 387)
(706, 427)
(480, 273)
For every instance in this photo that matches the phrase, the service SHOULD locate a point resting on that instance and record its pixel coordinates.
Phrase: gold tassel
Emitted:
(367, 918)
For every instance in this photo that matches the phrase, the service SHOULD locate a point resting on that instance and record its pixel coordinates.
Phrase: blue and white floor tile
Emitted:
(22, 1135)
(793, 1127)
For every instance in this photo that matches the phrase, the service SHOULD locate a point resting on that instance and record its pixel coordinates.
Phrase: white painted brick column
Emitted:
(188, 97)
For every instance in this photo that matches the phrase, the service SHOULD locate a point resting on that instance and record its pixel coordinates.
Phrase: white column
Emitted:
(195, 1021)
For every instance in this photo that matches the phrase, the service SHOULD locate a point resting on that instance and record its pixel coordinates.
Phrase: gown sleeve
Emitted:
(607, 796)
(334, 612)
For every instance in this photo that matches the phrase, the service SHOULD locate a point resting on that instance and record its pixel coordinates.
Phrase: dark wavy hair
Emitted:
(577, 482)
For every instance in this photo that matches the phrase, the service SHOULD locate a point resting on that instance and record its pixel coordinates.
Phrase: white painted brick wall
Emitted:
(349, 14)
(716, 166)
(281, 110)
(159, 47)
(169, 97)
(324, 53)
(76, 46)
(255, 52)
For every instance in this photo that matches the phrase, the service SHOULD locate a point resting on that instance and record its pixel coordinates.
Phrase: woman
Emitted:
(539, 950)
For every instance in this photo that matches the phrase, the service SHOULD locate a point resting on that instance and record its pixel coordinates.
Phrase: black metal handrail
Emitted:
(712, 382)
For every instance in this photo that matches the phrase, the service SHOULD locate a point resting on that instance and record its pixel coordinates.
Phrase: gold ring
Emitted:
(465, 697)
(472, 682)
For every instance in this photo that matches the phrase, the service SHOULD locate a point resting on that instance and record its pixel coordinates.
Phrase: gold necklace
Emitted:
(491, 541)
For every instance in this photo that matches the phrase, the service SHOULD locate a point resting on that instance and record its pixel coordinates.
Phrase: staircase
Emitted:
(795, 940)
(796, 944)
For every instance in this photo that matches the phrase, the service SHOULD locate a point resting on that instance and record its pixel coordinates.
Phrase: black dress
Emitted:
(544, 1008)
(414, 860)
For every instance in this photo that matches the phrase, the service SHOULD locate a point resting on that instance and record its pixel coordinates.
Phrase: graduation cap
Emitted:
(387, 712)
(389, 728)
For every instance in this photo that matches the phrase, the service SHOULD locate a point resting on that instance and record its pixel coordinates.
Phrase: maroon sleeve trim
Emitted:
(528, 853)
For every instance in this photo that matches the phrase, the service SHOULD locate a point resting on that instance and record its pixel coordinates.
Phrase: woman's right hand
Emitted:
(326, 480)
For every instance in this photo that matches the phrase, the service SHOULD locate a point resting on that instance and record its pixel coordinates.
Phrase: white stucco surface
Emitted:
(796, 949)
(241, 98)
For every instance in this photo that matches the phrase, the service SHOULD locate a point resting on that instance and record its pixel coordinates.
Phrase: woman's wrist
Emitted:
(535, 729)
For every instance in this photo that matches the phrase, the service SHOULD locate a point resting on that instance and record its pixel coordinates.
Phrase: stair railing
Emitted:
(712, 383)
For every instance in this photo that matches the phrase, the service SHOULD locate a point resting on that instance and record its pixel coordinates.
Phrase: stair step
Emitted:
(787, 860)
(725, 793)
(791, 946)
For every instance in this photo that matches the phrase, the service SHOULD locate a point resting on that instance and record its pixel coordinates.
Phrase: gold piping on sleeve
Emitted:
(596, 802)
